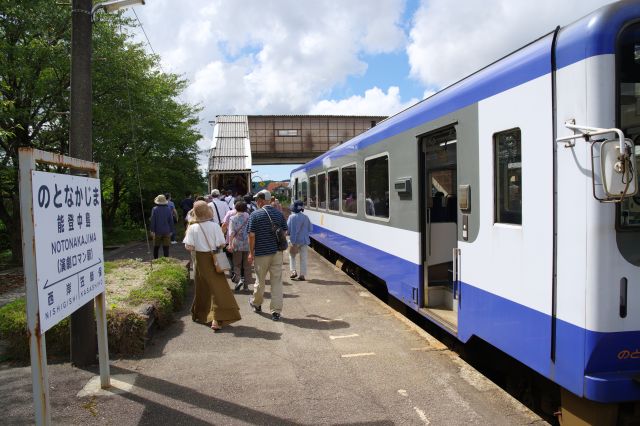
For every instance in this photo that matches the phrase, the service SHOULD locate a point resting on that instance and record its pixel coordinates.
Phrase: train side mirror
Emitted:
(619, 177)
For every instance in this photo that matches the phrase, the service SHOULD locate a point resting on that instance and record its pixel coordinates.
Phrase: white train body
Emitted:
(534, 264)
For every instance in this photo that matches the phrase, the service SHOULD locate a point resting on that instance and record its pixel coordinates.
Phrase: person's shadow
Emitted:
(250, 332)
(316, 322)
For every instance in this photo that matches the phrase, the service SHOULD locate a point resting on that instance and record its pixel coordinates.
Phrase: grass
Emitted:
(130, 284)
(121, 236)
(13, 329)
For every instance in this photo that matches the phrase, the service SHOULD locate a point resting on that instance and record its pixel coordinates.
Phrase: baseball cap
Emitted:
(264, 194)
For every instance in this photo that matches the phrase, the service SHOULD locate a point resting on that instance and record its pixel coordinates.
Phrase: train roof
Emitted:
(592, 35)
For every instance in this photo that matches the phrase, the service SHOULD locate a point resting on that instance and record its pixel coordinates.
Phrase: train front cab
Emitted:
(596, 322)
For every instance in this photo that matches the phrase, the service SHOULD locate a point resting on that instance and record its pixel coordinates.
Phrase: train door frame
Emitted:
(438, 302)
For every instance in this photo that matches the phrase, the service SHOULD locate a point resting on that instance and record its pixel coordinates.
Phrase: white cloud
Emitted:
(269, 56)
(448, 43)
(374, 102)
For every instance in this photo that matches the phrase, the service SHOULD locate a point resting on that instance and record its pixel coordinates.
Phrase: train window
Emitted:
(312, 191)
(303, 192)
(508, 177)
(443, 202)
(349, 190)
(334, 191)
(322, 191)
(629, 112)
(376, 186)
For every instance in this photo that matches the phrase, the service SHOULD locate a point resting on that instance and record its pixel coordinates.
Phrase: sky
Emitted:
(355, 57)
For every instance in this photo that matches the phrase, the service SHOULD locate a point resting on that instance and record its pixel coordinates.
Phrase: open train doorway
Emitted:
(440, 230)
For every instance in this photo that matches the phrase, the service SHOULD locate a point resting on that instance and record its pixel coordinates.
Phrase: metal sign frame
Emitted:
(28, 158)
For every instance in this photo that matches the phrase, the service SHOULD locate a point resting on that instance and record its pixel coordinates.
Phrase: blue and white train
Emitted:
(505, 206)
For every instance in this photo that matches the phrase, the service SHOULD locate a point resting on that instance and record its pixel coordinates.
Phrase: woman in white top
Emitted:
(213, 302)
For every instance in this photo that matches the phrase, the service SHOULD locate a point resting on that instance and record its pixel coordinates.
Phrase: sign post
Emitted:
(62, 257)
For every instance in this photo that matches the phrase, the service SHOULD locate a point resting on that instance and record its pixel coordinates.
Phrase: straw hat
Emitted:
(160, 200)
(202, 211)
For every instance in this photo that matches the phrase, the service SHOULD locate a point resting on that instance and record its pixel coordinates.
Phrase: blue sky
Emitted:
(356, 57)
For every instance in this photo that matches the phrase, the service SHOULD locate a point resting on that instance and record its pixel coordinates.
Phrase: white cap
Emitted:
(263, 194)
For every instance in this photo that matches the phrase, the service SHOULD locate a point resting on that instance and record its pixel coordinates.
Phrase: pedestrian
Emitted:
(251, 205)
(230, 199)
(219, 207)
(264, 253)
(161, 225)
(239, 246)
(299, 227)
(275, 203)
(174, 213)
(186, 205)
(225, 232)
(213, 301)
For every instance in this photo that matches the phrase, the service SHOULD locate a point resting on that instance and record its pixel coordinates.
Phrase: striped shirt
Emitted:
(266, 242)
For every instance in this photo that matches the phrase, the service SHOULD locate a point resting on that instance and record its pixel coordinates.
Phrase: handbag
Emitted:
(281, 235)
(220, 260)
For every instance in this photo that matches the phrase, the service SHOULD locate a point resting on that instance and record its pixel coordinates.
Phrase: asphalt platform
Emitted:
(338, 356)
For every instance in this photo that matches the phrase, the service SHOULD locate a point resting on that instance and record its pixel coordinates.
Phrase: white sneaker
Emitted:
(174, 242)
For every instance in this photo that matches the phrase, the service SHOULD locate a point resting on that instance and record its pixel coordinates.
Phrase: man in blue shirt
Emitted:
(161, 225)
(264, 253)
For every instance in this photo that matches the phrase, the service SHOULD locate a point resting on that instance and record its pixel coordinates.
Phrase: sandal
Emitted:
(215, 327)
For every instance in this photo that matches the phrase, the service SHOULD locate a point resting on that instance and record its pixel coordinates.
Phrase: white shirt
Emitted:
(223, 208)
(195, 236)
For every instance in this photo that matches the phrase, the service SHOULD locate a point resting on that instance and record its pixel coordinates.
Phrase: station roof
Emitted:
(230, 149)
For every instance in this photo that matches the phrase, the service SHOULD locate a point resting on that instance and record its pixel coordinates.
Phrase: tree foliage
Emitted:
(143, 137)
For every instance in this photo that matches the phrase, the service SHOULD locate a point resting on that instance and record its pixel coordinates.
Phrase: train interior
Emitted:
(439, 163)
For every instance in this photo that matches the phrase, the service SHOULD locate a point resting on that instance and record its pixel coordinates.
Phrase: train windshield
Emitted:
(629, 111)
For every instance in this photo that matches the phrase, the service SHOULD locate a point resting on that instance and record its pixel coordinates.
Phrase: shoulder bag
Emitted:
(219, 258)
(281, 236)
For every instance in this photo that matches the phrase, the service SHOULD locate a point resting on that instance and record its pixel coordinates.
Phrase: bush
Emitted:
(127, 331)
(14, 330)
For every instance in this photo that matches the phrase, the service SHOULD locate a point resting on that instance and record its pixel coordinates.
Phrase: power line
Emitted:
(145, 36)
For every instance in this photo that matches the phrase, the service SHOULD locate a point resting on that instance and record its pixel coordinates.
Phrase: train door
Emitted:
(440, 229)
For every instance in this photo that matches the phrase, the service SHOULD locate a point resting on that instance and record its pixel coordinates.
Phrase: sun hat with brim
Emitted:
(160, 200)
(264, 194)
(297, 206)
(202, 211)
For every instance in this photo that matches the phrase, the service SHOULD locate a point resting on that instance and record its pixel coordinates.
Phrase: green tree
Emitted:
(142, 133)
(149, 138)
(34, 82)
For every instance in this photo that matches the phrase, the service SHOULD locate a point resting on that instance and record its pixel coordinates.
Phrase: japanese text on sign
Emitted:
(68, 236)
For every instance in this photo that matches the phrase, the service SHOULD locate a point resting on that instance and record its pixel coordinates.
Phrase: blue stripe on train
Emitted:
(591, 364)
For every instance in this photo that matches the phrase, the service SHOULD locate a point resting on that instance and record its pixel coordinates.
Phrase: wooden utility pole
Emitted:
(83, 327)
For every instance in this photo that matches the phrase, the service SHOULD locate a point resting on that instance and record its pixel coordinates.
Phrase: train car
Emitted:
(505, 206)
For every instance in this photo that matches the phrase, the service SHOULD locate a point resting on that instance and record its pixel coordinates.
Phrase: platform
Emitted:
(338, 356)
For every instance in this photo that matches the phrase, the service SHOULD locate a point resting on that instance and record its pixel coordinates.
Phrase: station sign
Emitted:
(67, 220)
